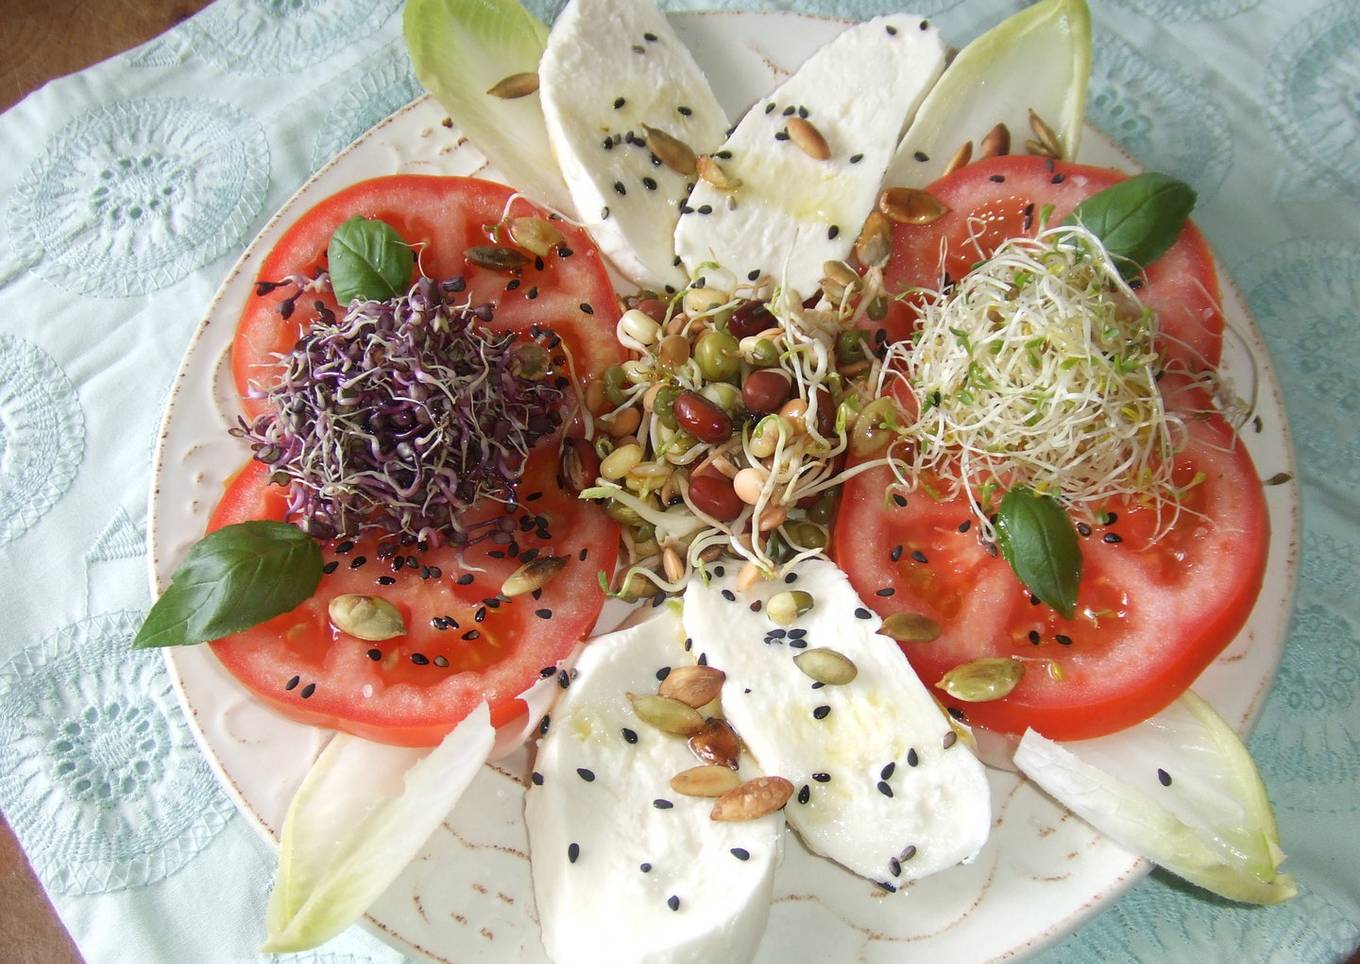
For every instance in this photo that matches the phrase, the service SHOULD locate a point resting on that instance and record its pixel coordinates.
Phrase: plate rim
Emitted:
(1138, 867)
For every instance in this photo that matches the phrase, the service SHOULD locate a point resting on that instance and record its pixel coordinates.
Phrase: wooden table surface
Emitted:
(43, 39)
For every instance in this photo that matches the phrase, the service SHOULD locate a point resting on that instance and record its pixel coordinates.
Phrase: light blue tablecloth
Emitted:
(127, 191)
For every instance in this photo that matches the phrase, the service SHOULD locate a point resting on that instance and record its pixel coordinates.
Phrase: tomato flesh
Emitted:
(1150, 615)
(463, 644)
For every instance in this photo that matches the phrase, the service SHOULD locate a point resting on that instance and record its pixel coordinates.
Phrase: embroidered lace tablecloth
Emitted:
(128, 190)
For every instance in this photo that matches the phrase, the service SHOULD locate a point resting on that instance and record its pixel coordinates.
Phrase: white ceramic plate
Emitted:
(468, 896)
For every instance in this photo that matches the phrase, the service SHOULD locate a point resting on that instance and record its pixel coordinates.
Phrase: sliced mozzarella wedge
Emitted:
(884, 786)
(611, 69)
(792, 212)
(625, 868)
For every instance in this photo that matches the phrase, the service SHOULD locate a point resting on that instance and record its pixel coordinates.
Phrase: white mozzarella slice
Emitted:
(595, 822)
(612, 66)
(792, 212)
(883, 785)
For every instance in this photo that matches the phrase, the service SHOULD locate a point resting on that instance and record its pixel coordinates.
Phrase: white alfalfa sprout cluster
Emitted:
(1038, 369)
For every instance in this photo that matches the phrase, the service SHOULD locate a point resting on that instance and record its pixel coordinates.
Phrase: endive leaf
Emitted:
(1039, 59)
(361, 815)
(1179, 789)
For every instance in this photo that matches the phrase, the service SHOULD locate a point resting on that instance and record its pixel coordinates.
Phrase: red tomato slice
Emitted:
(413, 689)
(444, 216)
(1150, 617)
(1002, 197)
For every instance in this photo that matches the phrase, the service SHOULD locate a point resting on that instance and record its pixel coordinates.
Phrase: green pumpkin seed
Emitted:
(532, 575)
(910, 628)
(535, 234)
(784, 608)
(495, 258)
(984, 679)
(667, 715)
(366, 617)
(674, 153)
(826, 666)
(516, 85)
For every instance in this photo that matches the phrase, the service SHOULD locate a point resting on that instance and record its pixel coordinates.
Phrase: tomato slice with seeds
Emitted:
(463, 643)
(1150, 615)
(441, 217)
(1003, 197)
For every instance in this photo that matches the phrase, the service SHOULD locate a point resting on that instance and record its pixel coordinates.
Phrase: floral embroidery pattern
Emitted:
(99, 775)
(133, 195)
(42, 435)
(281, 36)
(382, 86)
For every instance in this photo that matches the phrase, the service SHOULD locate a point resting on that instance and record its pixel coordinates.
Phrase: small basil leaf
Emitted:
(1036, 537)
(368, 260)
(234, 578)
(1137, 219)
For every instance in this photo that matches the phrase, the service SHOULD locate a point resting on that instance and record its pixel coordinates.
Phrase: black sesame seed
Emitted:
(997, 178)
(816, 686)
(441, 661)
(791, 578)
(1063, 640)
(465, 579)
(884, 788)
(1033, 599)
(619, 102)
(1058, 178)
(357, 561)
(649, 183)
(790, 110)
(958, 714)
(629, 736)
(689, 644)
(1034, 636)
(887, 771)
(673, 902)
(912, 758)
(719, 571)
(345, 547)
(386, 581)
(330, 567)
(703, 659)
(965, 525)
(895, 553)
(803, 112)
(892, 31)
(782, 136)
(756, 606)
(1083, 529)
(307, 691)
(292, 683)
(921, 156)
(856, 158)
(604, 213)
(729, 595)
(908, 853)
(573, 851)
(919, 556)
(741, 853)
(797, 633)
(472, 634)
(900, 500)
(777, 633)
(480, 614)
(822, 777)
(649, 37)
(582, 554)
(862, 613)
(821, 712)
(645, 868)
(375, 654)
(663, 672)
(1163, 777)
(564, 679)
(588, 310)
(1112, 538)
(543, 613)
(543, 724)
(895, 867)
(662, 804)
(769, 108)
(949, 740)
(753, 274)
(832, 231)
(884, 885)
(420, 659)
(805, 794)
(586, 775)
(684, 111)
(885, 591)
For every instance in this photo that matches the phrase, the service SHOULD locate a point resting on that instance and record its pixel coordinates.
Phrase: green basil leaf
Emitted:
(234, 578)
(368, 260)
(1137, 219)
(1036, 537)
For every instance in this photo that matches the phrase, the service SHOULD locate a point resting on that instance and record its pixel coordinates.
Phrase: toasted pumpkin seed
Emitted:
(572, 469)
(674, 153)
(667, 715)
(532, 575)
(496, 258)
(997, 143)
(961, 157)
(827, 666)
(673, 564)
(716, 742)
(874, 244)
(1046, 135)
(370, 618)
(785, 607)
(535, 234)
(752, 799)
(705, 781)
(907, 205)
(712, 172)
(693, 685)
(910, 628)
(984, 679)
(808, 139)
(516, 85)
